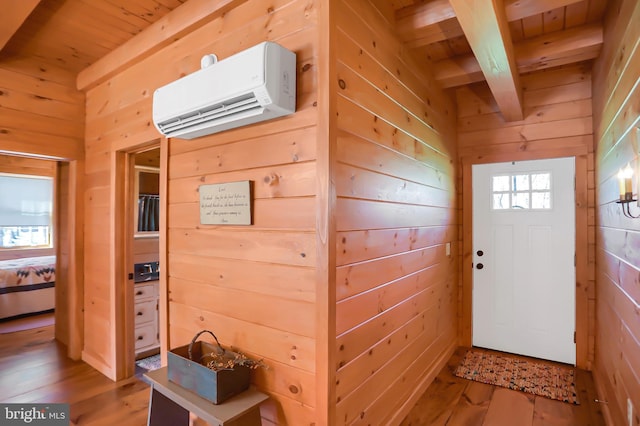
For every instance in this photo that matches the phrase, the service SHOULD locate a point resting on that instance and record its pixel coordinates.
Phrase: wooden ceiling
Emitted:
(74, 34)
(466, 41)
(460, 41)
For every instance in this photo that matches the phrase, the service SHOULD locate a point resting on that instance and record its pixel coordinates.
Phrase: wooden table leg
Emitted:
(164, 412)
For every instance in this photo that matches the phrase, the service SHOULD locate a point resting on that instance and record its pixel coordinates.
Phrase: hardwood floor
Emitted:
(27, 323)
(34, 369)
(453, 401)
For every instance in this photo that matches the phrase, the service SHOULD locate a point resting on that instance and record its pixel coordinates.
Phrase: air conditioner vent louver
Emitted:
(254, 85)
(214, 112)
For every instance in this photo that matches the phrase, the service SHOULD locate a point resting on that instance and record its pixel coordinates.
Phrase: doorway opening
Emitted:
(145, 251)
(139, 288)
(35, 240)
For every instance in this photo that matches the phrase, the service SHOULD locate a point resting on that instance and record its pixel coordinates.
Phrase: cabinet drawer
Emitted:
(145, 311)
(145, 335)
(144, 291)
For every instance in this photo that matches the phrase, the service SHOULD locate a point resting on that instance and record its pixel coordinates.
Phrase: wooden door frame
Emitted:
(121, 257)
(75, 272)
(581, 244)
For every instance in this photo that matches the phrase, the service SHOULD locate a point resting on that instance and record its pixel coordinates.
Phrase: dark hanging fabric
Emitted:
(141, 207)
(156, 214)
(148, 213)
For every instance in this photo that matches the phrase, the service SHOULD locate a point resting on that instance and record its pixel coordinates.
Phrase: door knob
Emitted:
(479, 266)
(480, 253)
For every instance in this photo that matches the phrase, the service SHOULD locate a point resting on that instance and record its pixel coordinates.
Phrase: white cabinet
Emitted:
(146, 318)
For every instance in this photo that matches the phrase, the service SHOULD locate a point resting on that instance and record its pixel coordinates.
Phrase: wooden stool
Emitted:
(170, 405)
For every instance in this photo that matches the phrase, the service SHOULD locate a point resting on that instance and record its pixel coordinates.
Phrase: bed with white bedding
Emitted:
(27, 286)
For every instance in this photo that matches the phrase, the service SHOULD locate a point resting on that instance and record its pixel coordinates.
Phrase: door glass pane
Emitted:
(521, 182)
(541, 181)
(501, 201)
(521, 200)
(501, 183)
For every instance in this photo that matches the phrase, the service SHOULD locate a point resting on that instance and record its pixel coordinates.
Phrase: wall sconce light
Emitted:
(626, 191)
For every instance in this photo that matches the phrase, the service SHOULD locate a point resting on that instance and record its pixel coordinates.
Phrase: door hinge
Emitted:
(574, 337)
(575, 260)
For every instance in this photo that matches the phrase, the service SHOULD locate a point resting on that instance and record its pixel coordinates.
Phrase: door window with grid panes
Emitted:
(522, 191)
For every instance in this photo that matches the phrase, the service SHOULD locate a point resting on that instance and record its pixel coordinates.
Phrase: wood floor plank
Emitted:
(550, 412)
(473, 405)
(510, 408)
(438, 405)
(438, 408)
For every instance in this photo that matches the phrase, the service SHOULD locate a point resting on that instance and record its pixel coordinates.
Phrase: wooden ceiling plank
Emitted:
(532, 26)
(553, 20)
(148, 10)
(576, 14)
(161, 33)
(429, 22)
(131, 22)
(13, 16)
(569, 46)
(517, 32)
(519, 9)
(596, 10)
(487, 30)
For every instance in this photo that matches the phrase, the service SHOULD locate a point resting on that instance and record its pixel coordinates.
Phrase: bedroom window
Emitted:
(26, 204)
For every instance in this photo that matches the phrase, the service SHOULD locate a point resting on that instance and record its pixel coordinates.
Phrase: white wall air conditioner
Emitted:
(254, 85)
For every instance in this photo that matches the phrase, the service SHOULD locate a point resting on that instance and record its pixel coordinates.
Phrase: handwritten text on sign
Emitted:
(225, 203)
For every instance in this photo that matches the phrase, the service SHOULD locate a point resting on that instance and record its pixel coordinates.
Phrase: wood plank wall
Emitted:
(253, 286)
(41, 112)
(396, 289)
(557, 123)
(616, 101)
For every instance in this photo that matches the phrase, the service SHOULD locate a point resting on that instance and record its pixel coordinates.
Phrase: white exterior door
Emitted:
(524, 258)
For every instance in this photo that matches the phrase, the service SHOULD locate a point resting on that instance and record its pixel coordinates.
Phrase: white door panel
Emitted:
(524, 271)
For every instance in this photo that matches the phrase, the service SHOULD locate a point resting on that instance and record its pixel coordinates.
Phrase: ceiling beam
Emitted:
(546, 51)
(13, 15)
(486, 28)
(434, 21)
